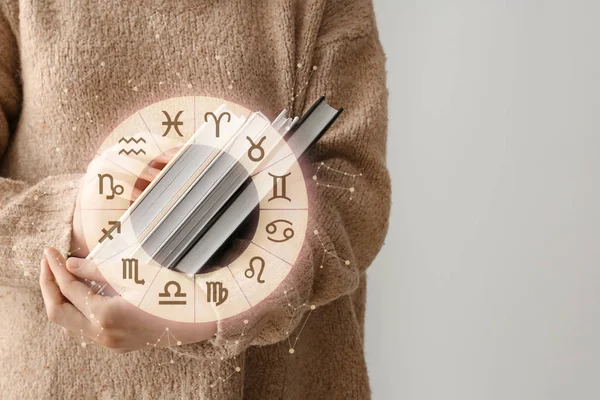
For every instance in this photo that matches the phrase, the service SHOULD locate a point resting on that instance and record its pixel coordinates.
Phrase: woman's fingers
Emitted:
(88, 270)
(149, 173)
(58, 309)
(49, 288)
(75, 291)
(85, 269)
(136, 192)
(165, 157)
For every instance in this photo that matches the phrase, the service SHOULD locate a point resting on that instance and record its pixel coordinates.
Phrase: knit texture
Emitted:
(72, 71)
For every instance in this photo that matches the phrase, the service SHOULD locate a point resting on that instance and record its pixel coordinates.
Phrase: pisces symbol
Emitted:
(175, 123)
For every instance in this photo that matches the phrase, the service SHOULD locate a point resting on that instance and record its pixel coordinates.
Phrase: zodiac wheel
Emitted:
(112, 181)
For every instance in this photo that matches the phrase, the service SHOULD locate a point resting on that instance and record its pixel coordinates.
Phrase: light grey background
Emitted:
(489, 284)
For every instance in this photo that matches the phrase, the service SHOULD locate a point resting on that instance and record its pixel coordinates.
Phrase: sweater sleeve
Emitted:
(350, 205)
(31, 216)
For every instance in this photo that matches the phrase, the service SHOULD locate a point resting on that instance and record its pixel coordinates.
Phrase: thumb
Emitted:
(85, 269)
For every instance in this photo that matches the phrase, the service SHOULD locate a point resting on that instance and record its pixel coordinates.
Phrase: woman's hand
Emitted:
(111, 322)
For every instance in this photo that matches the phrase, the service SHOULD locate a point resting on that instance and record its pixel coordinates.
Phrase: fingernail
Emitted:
(153, 171)
(72, 264)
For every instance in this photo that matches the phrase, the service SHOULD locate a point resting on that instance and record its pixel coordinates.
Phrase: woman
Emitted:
(69, 71)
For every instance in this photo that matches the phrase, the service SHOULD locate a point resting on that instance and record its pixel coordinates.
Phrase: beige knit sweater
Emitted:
(70, 71)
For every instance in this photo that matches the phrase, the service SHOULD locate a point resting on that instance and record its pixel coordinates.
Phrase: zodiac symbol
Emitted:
(132, 139)
(346, 179)
(277, 193)
(116, 225)
(288, 232)
(115, 189)
(167, 293)
(132, 151)
(217, 120)
(250, 271)
(256, 147)
(130, 270)
(172, 123)
(216, 293)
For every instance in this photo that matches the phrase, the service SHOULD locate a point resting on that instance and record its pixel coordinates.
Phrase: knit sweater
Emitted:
(70, 71)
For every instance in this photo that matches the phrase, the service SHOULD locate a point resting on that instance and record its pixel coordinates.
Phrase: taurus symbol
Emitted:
(172, 123)
(217, 120)
(256, 147)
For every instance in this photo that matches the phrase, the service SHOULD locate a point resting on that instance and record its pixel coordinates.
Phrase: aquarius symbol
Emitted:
(116, 225)
(167, 293)
(250, 271)
(115, 189)
(132, 151)
(172, 123)
(216, 293)
(280, 191)
(132, 139)
(130, 270)
(288, 232)
(217, 120)
(256, 147)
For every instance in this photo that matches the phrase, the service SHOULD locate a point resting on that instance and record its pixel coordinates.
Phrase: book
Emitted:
(203, 195)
